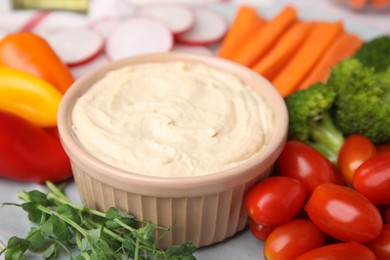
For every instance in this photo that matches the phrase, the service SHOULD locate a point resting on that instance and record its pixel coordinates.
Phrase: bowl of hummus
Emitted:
(177, 139)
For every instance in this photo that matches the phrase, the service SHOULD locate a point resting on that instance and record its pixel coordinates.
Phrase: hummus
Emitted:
(172, 119)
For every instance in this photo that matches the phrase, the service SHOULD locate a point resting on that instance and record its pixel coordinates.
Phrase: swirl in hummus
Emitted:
(172, 119)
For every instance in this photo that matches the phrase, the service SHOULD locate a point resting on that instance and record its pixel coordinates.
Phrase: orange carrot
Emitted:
(318, 40)
(260, 42)
(245, 23)
(273, 61)
(380, 3)
(344, 46)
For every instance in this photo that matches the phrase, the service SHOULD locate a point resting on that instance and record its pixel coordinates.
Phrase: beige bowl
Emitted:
(203, 209)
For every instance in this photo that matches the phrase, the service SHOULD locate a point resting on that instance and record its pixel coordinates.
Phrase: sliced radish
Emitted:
(139, 34)
(15, 21)
(112, 8)
(178, 17)
(34, 21)
(76, 45)
(61, 20)
(192, 49)
(82, 69)
(209, 27)
(105, 25)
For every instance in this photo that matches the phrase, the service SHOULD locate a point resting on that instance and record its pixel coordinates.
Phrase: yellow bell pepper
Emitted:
(29, 97)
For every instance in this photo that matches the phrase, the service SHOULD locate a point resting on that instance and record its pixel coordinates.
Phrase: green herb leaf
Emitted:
(50, 252)
(69, 212)
(34, 214)
(60, 229)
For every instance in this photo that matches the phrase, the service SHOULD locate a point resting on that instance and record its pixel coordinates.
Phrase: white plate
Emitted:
(13, 220)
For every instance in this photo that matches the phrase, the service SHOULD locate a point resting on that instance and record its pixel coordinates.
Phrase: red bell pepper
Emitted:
(30, 153)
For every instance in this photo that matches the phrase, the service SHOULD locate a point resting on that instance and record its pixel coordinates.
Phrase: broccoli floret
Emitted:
(361, 104)
(310, 120)
(375, 53)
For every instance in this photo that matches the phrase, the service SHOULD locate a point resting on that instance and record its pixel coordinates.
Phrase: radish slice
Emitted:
(13, 22)
(209, 27)
(178, 17)
(75, 46)
(105, 25)
(139, 34)
(82, 69)
(112, 8)
(61, 20)
(34, 21)
(203, 50)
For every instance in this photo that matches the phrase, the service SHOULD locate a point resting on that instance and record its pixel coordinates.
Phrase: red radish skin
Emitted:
(179, 17)
(209, 27)
(75, 46)
(139, 34)
(34, 21)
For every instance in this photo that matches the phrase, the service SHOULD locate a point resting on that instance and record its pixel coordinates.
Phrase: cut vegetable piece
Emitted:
(61, 20)
(284, 49)
(15, 21)
(34, 21)
(178, 17)
(75, 46)
(112, 8)
(344, 46)
(203, 50)
(256, 46)
(82, 69)
(319, 39)
(245, 24)
(139, 34)
(209, 27)
(105, 25)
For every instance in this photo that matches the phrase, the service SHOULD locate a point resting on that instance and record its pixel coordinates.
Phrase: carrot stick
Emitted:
(260, 42)
(344, 46)
(284, 49)
(318, 40)
(245, 23)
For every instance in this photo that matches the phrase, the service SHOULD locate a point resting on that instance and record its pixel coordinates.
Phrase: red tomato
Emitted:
(356, 149)
(275, 200)
(381, 245)
(344, 213)
(339, 251)
(259, 231)
(383, 148)
(304, 163)
(290, 240)
(372, 179)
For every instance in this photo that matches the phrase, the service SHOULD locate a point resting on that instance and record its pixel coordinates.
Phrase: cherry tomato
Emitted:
(290, 240)
(339, 251)
(372, 179)
(381, 245)
(275, 200)
(356, 149)
(259, 231)
(304, 163)
(383, 148)
(344, 213)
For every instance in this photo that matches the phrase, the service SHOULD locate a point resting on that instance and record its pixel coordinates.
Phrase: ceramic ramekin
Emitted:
(202, 209)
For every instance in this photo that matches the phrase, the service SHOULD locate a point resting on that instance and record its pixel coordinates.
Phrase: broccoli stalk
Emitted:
(310, 120)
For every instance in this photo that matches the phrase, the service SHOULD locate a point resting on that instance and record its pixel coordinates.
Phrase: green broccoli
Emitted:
(361, 104)
(375, 53)
(310, 120)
